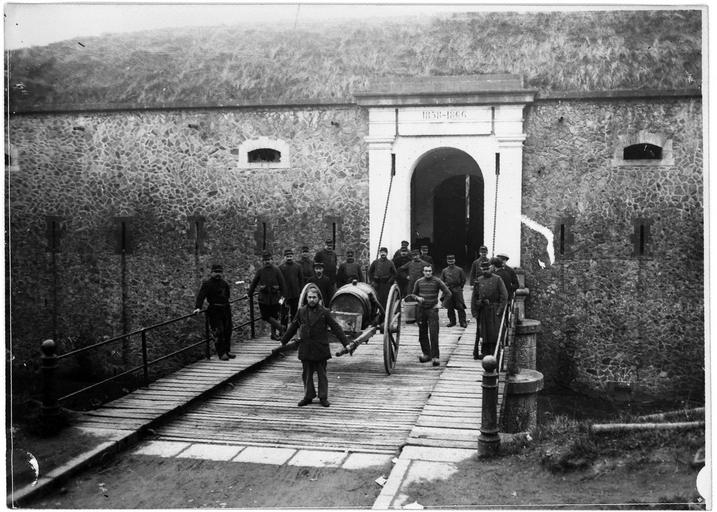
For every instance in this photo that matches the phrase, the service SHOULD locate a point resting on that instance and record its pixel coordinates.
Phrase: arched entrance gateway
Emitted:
(449, 149)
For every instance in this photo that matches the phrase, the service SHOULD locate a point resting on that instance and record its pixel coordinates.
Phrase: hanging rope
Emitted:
(495, 207)
(385, 210)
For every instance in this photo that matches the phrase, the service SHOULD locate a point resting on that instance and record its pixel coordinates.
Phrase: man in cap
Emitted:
(501, 271)
(381, 275)
(294, 283)
(314, 320)
(272, 287)
(487, 303)
(426, 291)
(425, 256)
(323, 283)
(404, 247)
(327, 256)
(400, 260)
(216, 292)
(306, 264)
(476, 265)
(413, 270)
(512, 276)
(455, 278)
(349, 271)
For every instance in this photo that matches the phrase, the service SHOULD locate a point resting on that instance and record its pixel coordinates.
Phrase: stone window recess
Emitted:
(563, 238)
(641, 239)
(644, 149)
(12, 159)
(264, 153)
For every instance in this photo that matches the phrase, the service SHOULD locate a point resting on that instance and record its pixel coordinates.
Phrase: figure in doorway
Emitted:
(488, 301)
(269, 281)
(455, 279)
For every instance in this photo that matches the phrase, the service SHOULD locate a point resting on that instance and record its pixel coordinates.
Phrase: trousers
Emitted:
(428, 331)
(220, 325)
(307, 374)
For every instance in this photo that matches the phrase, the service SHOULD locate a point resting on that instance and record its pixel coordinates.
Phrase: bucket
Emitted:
(409, 311)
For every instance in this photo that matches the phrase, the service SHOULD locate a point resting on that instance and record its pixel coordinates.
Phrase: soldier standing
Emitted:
(413, 270)
(426, 291)
(314, 351)
(512, 276)
(381, 275)
(404, 247)
(348, 271)
(487, 303)
(475, 266)
(323, 283)
(271, 285)
(216, 291)
(425, 256)
(294, 282)
(306, 264)
(400, 260)
(327, 256)
(455, 278)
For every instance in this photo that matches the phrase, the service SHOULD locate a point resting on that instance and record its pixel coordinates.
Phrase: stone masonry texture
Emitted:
(609, 317)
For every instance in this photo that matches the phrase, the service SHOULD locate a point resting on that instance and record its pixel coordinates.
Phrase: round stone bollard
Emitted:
(524, 349)
(521, 401)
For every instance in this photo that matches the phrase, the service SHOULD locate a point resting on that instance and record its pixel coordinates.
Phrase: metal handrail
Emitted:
(50, 359)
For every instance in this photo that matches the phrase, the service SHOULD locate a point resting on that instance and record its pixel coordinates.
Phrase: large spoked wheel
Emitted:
(302, 297)
(391, 329)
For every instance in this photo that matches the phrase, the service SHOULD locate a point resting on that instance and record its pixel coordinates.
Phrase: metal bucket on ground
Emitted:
(409, 311)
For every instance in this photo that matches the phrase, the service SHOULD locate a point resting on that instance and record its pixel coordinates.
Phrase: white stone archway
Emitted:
(481, 116)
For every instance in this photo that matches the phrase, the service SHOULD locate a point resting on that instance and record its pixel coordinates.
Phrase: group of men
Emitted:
(278, 289)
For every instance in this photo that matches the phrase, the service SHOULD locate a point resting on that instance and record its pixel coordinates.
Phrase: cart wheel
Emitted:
(391, 329)
(302, 297)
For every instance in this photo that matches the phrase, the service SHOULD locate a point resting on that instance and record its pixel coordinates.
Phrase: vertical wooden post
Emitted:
(489, 440)
(208, 351)
(50, 410)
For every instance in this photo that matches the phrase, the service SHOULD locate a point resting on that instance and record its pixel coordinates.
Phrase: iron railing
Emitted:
(50, 359)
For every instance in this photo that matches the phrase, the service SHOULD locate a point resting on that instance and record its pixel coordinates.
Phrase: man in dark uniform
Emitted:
(487, 303)
(404, 247)
(306, 264)
(455, 278)
(399, 261)
(413, 270)
(476, 265)
(314, 349)
(514, 283)
(426, 257)
(426, 290)
(348, 271)
(510, 281)
(216, 291)
(272, 287)
(294, 283)
(381, 275)
(323, 283)
(327, 256)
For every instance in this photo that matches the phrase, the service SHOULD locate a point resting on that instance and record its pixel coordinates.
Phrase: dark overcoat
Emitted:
(313, 325)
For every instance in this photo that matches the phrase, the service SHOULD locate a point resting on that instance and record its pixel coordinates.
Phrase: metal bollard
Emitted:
(489, 440)
(50, 410)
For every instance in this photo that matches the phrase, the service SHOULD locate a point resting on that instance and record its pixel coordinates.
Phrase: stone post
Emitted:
(489, 440)
(520, 295)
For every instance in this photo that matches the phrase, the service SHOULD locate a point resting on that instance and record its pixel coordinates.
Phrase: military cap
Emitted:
(404, 243)
(484, 265)
(414, 252)
(496, 262)
(266, 255)
(318, 264)
(383, 249)
(329, 240)
(217, 268)
(483, 248)
(424, 247)
(450, 256)
(304, 249)
(502, 256)
(288, 251)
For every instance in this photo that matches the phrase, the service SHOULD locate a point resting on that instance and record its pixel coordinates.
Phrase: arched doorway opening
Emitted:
(447, 209)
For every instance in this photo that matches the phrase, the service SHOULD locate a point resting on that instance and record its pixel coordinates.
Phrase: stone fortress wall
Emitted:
(610, 317)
